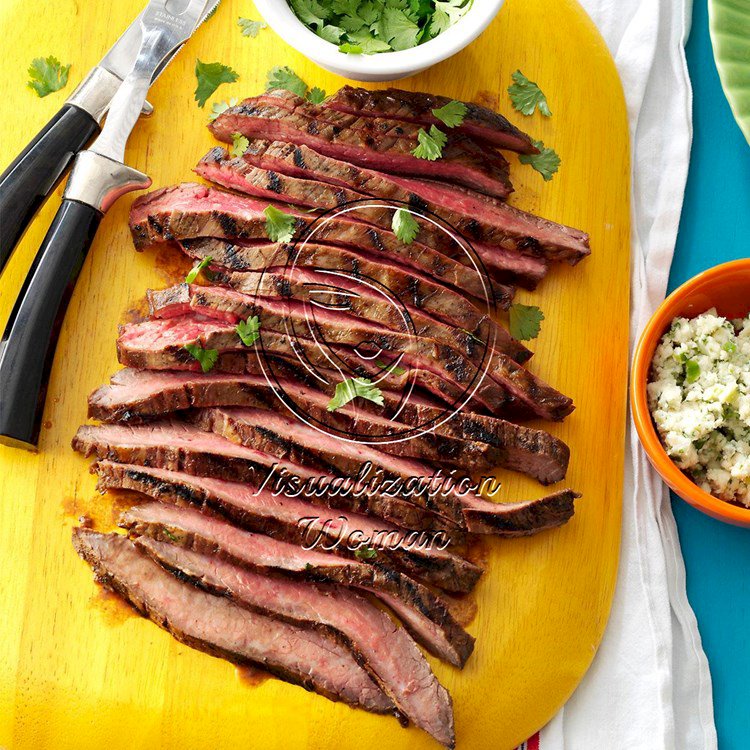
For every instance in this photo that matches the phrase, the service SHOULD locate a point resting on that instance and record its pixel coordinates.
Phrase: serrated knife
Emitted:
(33, 175)
(97, 179)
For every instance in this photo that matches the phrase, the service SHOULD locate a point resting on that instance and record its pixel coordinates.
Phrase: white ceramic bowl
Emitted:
(383, 66)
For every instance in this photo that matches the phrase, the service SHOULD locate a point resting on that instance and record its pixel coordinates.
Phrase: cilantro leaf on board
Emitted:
(218, 108)
(192, 274)
(47, 75)
(279, 226)
(546, 162)
(451, 114)
(239, 145)
(283, 77)
(352, 388)
(210, 76)
(526, 96)
(404, 225)
(249, 27)
(249, 330)
(430, 144)
(206, 357)
(525, 321)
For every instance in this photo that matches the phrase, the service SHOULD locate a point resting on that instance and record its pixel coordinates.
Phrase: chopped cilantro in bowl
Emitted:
(346, 37)
(366, 27)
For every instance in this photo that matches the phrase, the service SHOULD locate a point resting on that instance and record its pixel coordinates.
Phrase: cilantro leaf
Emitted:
(405, 226)
(249, 27)
(365, 553)
(391, 368)
(430, 144)
(283, 77)
(196, 269)
(46, 75)
(452, 114)
(279, 226)
(396, 28)
(210, 76)
(239, 145)
(218, 108)
(352, 388)
(525, 321)
(527, 96)
(546, 162)
(206, 357)
(370, 45)
(310, 12)
(351, 49)
(249, 330)
(331, 34)
(316, 95)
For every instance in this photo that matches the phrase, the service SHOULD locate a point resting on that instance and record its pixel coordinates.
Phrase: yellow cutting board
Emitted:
(75, 672)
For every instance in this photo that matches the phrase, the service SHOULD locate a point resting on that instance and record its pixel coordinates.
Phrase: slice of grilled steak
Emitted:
(136, 396)
(177, 446)
(382, 144)
(290, 439)
(421, 611)
(519, 519)
(190, 210)
(159, 344)
(506, 238)
(385, 651)
(299, 522)
(416, 106)
(221, 628)
(320, 315)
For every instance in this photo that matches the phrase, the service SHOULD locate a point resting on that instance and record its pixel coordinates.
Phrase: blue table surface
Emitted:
(715, 228)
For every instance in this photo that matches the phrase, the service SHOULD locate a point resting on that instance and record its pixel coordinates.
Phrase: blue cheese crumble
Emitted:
(699, 397)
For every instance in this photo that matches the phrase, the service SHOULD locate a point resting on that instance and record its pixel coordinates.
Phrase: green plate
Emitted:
(729, 21)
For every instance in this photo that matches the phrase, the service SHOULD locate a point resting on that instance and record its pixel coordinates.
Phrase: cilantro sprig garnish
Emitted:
(525, 321)
(404, 225)
(46, 75)
(249, 27)
(431, 144)
(451, 114)
(249, 330)
(279, 226)
(373, 26)
(527, 96)
(218, 108)
(348, 390)
(205, 357)
(210, 76)
(283, 77)
(196, 269)
(546, 162)
(365, 553)
(240, 144)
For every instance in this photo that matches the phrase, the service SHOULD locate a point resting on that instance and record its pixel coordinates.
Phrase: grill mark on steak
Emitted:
(181, 447)
(412, 106)
(292, 520)
(219, 627)
(383, 649)
(423, 613)
(365, 141)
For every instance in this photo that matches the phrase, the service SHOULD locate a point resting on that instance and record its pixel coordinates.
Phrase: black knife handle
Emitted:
(28, 344)
(28, 181)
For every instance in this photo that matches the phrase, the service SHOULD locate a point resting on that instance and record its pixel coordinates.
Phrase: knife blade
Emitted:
(97, 179)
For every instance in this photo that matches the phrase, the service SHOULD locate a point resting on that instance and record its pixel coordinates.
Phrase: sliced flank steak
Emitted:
(136, 396)
(415, 106)
(189, 210)
(506, 238)
(177, 446)
(159, 344)
(297, 521)
(221, 628)
(382, 144)
(384, 650)
(423, 613)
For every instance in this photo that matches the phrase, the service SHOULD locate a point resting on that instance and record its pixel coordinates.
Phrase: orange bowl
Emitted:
(727, 288)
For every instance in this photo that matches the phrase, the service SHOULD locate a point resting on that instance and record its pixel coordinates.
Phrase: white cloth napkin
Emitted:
(649, 687)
